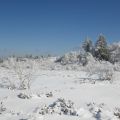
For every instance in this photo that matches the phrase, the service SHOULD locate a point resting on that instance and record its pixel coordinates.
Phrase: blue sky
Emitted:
(55, 26)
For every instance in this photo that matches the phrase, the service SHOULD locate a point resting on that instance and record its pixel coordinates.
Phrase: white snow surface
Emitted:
(89, 99)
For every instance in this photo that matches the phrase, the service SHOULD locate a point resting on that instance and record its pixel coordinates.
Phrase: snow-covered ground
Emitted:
(60, 95)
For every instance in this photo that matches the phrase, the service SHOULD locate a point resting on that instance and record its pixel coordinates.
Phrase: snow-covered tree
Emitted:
(114, 50)
(69, 58)
(101, 49)
(87, 45)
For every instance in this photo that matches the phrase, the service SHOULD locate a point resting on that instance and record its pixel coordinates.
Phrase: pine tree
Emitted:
(101, 50)
(87, 45)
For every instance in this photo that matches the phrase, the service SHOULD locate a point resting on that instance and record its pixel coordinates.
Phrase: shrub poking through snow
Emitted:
(2, 108)
(24, 96)
(50, 94)
(100, 111)
(59, 107)
(103, 70)
(117, 112)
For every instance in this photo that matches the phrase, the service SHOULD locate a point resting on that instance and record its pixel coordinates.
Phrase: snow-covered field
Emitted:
(60, 95)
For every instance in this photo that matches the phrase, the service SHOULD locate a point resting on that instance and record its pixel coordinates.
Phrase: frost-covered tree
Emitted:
(23, 73)
(87, 45)
(101, 49)
(114, 50)
(69, 58)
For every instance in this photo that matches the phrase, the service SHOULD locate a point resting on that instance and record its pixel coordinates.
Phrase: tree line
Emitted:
(100, 50)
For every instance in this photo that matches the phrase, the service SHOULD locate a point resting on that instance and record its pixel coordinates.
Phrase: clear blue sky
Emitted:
(55, 26)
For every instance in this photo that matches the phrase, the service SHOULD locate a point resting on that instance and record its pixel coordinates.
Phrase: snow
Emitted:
(66, 90)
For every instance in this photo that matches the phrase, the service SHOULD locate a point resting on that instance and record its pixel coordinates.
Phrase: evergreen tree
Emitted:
(101, 49)
(87, 45)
